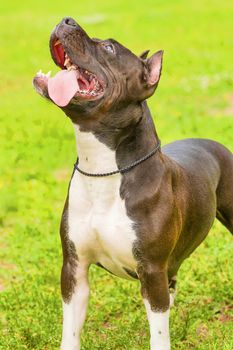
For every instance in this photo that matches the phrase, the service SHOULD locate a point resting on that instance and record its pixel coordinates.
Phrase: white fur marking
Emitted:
(74, 313)
(99, 227)
(98, 224)
(159, 328)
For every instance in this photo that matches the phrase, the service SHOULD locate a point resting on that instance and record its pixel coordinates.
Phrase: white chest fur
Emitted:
(97, 219)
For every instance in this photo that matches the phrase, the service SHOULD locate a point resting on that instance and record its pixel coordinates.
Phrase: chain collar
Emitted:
(122, 170)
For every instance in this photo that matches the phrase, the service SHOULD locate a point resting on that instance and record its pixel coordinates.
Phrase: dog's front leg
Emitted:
(75, 303)
(155, 293)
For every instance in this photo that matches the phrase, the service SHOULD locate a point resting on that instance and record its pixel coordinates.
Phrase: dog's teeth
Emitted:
(71, 67)
(48, 74)
(67, 61)
(57, 42)
(41, 74)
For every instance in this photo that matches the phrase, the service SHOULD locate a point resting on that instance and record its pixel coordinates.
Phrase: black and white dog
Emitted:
(132, 208)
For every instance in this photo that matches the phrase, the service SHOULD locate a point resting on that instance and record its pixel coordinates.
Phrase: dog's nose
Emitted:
(69, 22)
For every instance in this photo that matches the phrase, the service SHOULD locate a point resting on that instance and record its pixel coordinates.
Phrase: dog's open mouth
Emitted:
(71, 82)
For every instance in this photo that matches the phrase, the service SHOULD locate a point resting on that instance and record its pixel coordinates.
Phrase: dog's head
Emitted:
(96, 75)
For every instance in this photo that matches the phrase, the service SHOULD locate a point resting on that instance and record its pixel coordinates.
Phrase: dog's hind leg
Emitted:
(155, 293)
(225, 204)
(224, 192)
(226, 220)
(172, 290)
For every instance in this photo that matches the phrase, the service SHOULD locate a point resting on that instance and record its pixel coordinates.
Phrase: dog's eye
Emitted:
(109, 47)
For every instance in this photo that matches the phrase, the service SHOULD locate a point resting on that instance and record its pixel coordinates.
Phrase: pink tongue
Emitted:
(63, 87)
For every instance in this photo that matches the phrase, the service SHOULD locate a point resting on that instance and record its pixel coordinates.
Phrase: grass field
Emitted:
(194, 99)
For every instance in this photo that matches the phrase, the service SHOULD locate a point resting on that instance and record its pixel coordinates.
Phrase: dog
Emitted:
(132, 208)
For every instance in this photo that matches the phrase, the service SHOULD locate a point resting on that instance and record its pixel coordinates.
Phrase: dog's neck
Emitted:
(94, 156)
(106, 148)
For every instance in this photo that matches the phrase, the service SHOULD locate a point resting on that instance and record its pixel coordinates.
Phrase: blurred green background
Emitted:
(194, 99)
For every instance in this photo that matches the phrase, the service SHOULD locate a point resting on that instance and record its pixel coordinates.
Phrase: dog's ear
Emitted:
(154, 68)
(144, 54)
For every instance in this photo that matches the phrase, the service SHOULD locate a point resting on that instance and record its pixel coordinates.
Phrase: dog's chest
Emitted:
(97, 219)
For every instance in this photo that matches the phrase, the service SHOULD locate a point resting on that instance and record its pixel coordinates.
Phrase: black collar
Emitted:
(122, 170)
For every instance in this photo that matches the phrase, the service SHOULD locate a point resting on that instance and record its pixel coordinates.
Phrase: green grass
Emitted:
(194, 99)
